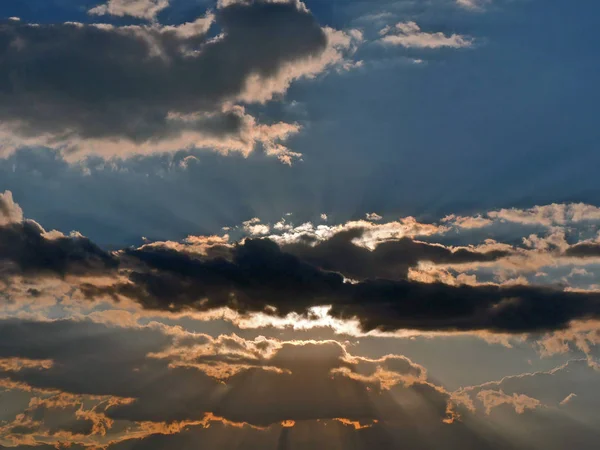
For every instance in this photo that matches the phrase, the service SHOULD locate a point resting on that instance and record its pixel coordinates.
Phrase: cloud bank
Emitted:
(358, 278)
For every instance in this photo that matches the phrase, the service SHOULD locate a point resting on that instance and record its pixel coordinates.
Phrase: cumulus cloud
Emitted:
(115, 91)
(370, 234)
(143, 9)
(10, 212)
(410, 35)
(255, 228)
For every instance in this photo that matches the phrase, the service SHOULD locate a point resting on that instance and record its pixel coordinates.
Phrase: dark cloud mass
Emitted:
(584, 250)
(86, 81)
(26, 246)
(390, 260)
(260, 276)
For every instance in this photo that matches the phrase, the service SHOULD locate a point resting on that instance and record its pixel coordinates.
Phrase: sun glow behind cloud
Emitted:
(363, 268)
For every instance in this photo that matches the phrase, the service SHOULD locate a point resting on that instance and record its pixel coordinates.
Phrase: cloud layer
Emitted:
(91, 385)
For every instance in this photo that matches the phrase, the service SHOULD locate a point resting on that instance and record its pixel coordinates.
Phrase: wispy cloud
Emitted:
(410, 35)
(474, 5)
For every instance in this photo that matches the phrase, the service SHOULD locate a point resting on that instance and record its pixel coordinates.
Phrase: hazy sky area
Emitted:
(286, 224)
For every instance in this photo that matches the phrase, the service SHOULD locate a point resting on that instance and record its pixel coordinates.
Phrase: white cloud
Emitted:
(255, 228)
(410, 35)
(143, 9)
(373, 233)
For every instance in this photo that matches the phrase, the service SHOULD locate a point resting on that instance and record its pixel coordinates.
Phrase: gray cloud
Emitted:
(259, 276)
(390, 259)
(117, 90)
(26, 248)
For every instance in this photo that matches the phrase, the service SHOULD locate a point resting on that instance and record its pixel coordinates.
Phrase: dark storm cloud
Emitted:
(84, 81)
(26, 248)
(260, 276)
(390, 260)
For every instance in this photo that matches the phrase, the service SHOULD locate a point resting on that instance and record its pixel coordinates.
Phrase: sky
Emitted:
(286, 224)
